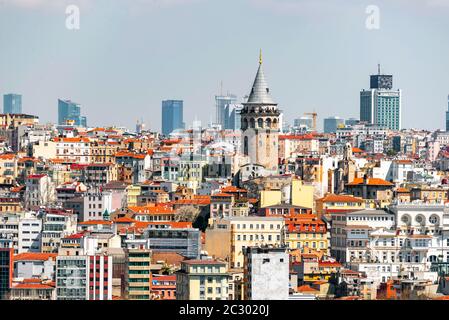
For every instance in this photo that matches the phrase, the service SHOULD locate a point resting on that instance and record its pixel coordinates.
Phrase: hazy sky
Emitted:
(130, 54)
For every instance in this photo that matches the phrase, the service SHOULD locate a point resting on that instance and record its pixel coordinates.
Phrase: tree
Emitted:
(186, 214)
(391, 153)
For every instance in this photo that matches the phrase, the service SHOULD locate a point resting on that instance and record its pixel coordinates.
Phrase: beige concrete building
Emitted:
(138, 275)
(229, 236)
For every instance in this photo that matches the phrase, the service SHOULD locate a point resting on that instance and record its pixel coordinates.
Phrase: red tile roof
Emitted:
(34, 256)
(329, 264)
(370, 181)
(7, 156)
(306, 288)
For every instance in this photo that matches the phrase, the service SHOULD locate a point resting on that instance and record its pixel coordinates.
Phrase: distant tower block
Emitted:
(260, 124)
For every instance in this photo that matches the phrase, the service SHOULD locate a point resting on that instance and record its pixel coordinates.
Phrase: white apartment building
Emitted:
(30, 234)
(96, 204)
(9, 231)
(35, 265)
(40, 190)
(77, 150)
(56, 225)
(407, 246)
(266, 273)
(87, 277)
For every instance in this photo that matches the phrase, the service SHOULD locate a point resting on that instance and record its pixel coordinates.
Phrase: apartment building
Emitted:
(266, 273)
(86, 277)
(137, 279)
(229, 236)
(202, 280)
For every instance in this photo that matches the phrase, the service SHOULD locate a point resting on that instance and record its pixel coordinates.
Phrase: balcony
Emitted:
(133, 276)
(138, 292)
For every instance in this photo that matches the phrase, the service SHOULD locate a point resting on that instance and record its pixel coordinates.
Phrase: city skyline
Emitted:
(301, 59)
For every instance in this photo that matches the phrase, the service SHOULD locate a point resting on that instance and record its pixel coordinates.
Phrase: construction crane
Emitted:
(314, 117)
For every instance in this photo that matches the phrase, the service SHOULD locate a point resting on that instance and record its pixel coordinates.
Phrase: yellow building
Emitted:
(311, 269)
(138, 274)
(230, 235)
(132, 194)
(270, 197)
(8, 168)
(302, 194)
(104, 152)
(308, 235)
(14, 120)
(202, 280)
(297, 193)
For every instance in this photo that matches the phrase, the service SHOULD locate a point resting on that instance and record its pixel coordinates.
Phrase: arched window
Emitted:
(252, 123)
(268, 122)
(260, 123)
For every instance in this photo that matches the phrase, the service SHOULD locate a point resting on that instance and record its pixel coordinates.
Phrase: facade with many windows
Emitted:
(202, 280)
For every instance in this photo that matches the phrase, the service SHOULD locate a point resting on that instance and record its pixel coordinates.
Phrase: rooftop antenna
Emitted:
(221, 87)
(378, 69)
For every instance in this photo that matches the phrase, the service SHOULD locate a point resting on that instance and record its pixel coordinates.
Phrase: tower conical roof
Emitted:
(260, 93)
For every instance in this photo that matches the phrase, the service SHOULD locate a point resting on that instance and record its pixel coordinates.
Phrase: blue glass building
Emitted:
(68, 110)
(331, 124)
(172, 116)
(12, 103)
(222, 109)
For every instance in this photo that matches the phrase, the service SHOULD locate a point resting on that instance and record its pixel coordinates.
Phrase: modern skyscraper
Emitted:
(331, 124)
(70, 111)
(12, 103)
(232, 119)
(260, 124)
(447, 114)
(222, 109)
(381, 104)
(172, 116)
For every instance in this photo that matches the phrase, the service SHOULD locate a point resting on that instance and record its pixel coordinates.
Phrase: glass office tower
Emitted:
(331, 124)
(68, 110)
(222, 109)
(12, 103)
(172, 116)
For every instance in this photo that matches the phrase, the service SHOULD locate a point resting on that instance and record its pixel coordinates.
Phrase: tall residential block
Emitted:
(202, 280)
(266, 273)
(86, 277)
(137, 282)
